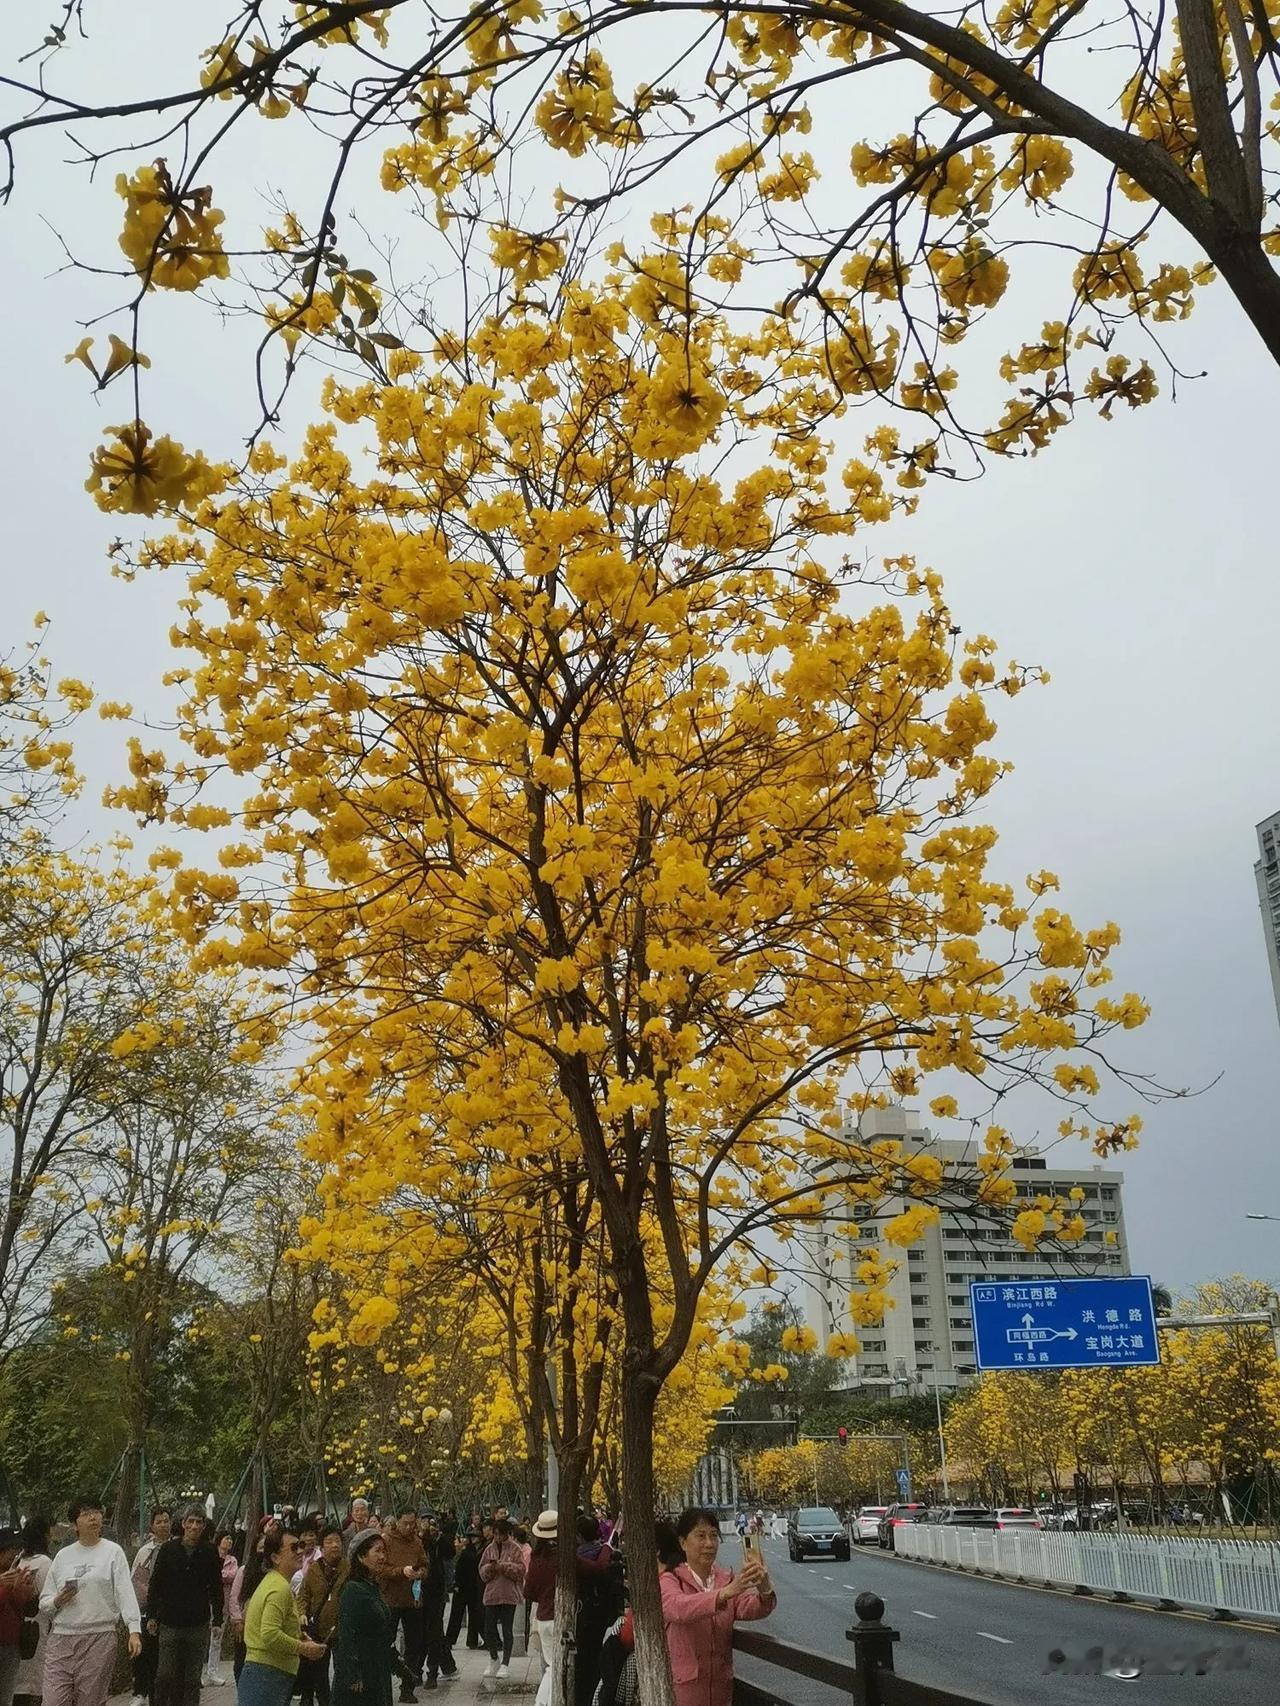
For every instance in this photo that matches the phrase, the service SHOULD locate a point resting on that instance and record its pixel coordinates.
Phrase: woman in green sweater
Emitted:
(273, 1638)
(366, 1629)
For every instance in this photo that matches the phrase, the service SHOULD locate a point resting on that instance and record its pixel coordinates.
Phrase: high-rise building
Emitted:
(1267, 875)
(927, 1336)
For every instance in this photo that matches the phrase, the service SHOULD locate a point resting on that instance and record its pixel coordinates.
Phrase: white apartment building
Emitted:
(927, 1337)
(1267, 876)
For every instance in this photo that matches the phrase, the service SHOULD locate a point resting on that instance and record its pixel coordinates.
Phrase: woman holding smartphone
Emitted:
(86, 1594)
(701, 1602)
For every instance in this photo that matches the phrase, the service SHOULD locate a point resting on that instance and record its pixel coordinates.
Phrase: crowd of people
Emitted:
(337, 1613)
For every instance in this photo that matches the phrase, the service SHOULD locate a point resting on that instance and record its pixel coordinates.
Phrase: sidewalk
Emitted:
(471, 1685)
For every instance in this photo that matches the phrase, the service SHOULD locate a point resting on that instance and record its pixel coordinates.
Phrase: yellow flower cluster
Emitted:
(171, 236)
(140, 475)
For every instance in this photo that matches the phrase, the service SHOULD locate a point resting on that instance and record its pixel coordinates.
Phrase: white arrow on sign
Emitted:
(1033, 1335)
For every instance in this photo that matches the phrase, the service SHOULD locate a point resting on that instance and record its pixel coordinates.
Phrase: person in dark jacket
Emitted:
(600, 1603)
(318, 1598)
(364, 1632)
(435, 1590)
(184, 1597)
(468, 1594)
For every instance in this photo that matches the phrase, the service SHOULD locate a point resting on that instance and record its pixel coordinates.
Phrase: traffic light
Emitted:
(842, 1434)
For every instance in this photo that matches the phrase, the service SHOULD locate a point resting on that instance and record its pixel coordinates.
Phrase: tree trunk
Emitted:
(533, 1484)
(564, 1648)
(125, 1515)
(257, 1498)
(639, 1507)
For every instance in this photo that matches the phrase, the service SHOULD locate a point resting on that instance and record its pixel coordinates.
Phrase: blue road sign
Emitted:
(1064, 1323)
(903, 1478)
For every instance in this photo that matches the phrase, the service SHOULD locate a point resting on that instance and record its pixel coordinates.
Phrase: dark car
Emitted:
(894, 1517)
(817, 1531)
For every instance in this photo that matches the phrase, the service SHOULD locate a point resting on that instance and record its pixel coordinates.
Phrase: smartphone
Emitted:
(750, 1545)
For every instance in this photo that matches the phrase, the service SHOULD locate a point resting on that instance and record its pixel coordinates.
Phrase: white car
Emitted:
(866, 1525)
(1009, 1516)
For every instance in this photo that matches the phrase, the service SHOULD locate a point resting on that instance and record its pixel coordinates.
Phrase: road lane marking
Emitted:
(828, 1578)
(1003, 1639)
(931, 1615)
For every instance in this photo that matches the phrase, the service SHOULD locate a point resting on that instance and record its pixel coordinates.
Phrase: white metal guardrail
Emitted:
(1230, 1577)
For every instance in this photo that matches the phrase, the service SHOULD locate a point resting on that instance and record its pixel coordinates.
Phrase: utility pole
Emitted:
(942, 1440)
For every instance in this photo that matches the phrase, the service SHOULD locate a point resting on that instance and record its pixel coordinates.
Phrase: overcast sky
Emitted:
(1135, 560)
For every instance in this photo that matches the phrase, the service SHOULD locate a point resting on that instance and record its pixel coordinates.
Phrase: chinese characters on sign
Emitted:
(1064, 1323)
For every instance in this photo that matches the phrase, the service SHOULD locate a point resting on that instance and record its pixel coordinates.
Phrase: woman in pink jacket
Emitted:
(502, 1572)
(701, 1602)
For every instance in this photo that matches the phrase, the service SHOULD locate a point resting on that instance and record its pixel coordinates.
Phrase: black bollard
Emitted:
(872, 1648)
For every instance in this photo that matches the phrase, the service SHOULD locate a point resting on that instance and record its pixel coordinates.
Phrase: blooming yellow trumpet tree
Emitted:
(1117, 159)
(616, 816)
(1012, 1425)
(430, 1409)
(514, 1256)
(816, 1472)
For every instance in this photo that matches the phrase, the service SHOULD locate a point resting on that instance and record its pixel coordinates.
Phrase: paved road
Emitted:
(991, 1641)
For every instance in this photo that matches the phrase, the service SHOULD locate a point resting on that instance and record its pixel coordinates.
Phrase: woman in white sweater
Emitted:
(86, 1593)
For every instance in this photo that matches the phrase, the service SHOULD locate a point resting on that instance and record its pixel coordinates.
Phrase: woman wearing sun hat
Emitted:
(540, 1591)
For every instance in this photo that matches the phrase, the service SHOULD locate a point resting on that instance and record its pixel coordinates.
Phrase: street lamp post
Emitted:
(942, 1439)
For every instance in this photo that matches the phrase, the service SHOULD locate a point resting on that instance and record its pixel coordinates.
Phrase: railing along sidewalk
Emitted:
(1225, 1578)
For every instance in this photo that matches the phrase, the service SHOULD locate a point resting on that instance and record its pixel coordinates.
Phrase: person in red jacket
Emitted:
(15, 1598)
(701, 1602)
